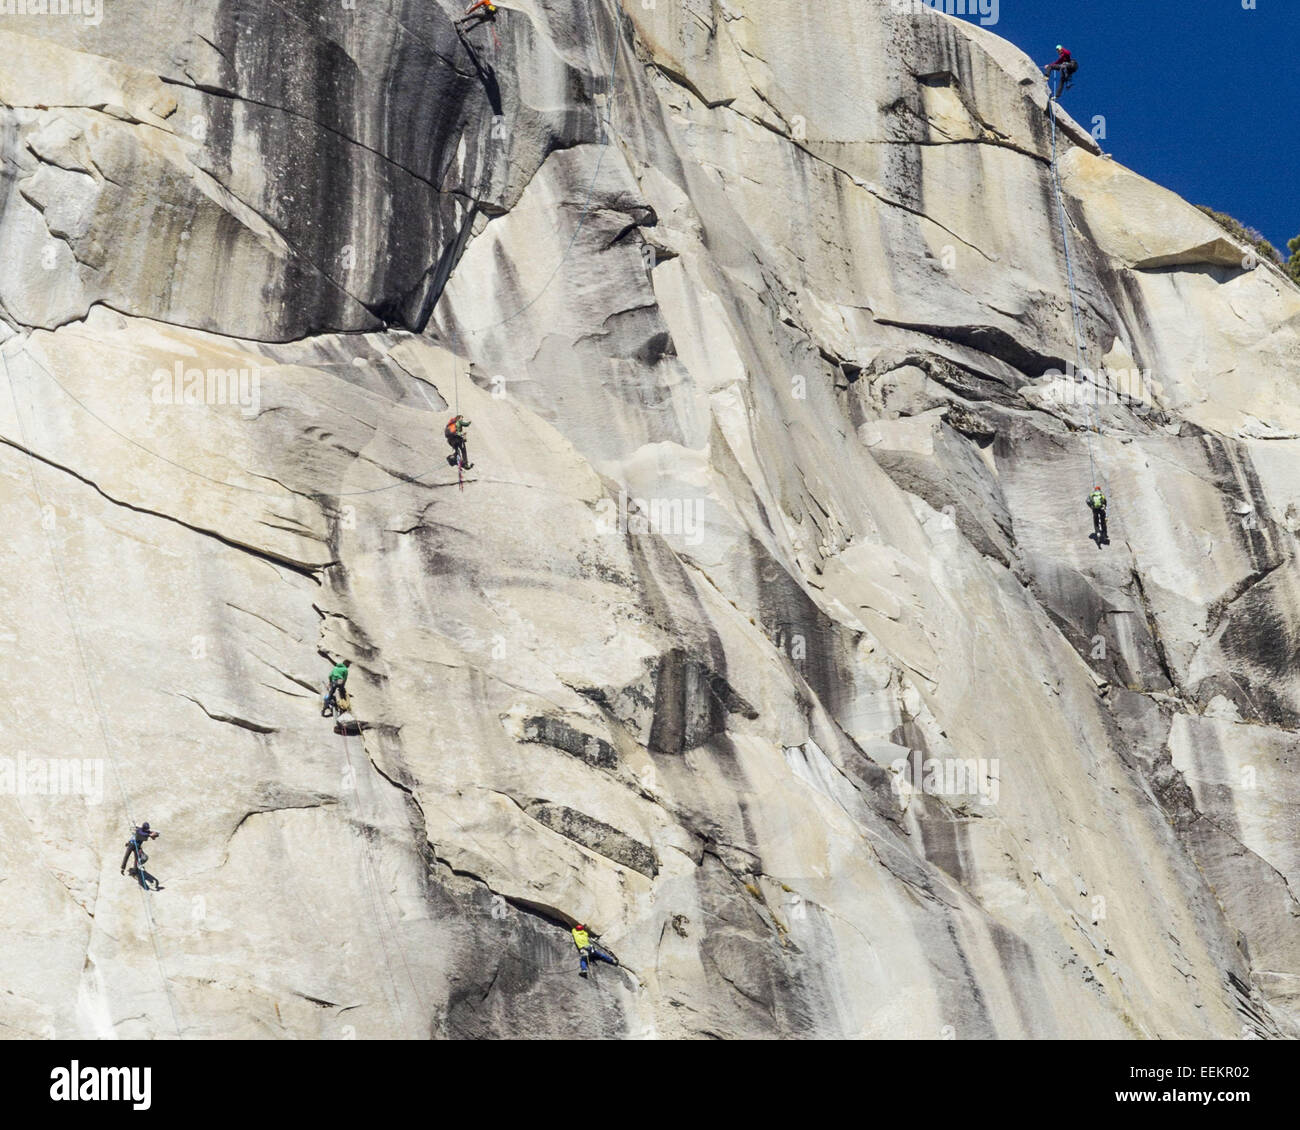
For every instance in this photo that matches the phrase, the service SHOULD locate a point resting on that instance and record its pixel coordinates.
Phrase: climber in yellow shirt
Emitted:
(587, 948)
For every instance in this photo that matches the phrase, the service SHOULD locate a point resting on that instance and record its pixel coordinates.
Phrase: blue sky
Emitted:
(1201, 96)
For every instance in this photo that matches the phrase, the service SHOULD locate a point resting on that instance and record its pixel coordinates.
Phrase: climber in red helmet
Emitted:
(588, 949)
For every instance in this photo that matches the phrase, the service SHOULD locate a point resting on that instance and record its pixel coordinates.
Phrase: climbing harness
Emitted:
(1094, 418)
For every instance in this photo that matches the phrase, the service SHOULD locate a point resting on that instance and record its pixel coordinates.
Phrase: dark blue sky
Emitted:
(1201, 96)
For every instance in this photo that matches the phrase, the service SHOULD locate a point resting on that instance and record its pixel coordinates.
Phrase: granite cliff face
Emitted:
(766, 634)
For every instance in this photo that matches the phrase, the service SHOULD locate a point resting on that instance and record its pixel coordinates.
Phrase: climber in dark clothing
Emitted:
(135, 847)
(1097, 504)
(482, 12)
(1065, 66)
(455, 433)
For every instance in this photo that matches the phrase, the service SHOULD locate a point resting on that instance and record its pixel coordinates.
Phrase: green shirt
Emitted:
(1097, 500)
(339, 674)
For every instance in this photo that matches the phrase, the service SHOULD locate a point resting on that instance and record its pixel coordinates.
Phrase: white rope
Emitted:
(1080, 358)
(372, 886)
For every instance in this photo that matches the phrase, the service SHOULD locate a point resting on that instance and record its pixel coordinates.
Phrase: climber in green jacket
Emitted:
(338, 680)
(587, 948)
(1097, 504)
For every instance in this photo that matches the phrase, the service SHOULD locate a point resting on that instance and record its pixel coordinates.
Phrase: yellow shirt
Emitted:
(581, 939)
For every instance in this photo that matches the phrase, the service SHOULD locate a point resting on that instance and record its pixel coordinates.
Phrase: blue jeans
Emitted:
(596, 954)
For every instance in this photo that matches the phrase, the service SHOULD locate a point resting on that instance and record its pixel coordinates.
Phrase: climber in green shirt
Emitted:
(1097, 504)
(338, 679)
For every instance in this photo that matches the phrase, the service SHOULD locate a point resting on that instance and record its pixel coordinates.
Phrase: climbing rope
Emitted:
(370, 871)
(606, 129)
(1080, 358)
(456, 337)
(96, 704)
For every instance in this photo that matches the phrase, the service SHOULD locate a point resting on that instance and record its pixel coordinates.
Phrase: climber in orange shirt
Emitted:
(482, 12)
